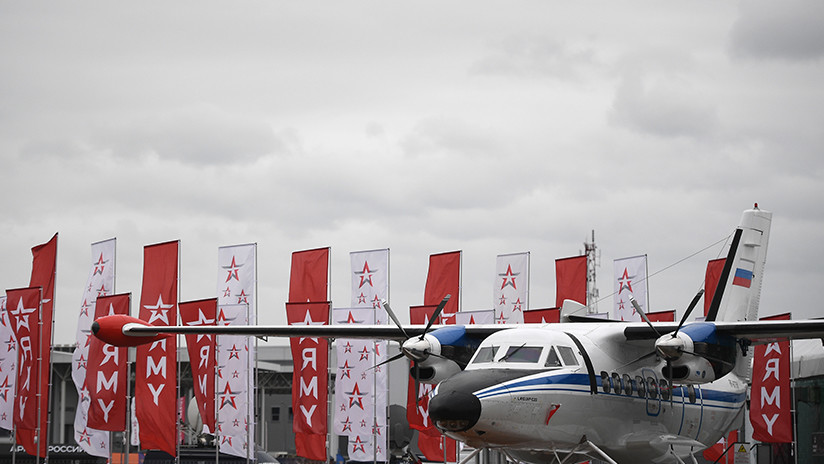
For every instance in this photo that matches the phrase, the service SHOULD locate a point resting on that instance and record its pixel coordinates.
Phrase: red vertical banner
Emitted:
(543, 316)
(24, 316)
(43, 272)
(770, 400)
(662, 316)
(417, 408)
(713, 275)
(156, 366)
(714, 452)
(444, 278)
(571, 280)
(308, 305)
(309, 278)
(202, 355)
(106, 371)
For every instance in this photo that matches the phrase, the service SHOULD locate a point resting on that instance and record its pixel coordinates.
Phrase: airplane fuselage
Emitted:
(541, 390)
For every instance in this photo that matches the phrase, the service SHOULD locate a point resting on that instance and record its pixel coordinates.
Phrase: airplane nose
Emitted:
(455, 411)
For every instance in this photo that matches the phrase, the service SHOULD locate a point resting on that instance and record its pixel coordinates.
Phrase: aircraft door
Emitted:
(653, 392)
(693, 403)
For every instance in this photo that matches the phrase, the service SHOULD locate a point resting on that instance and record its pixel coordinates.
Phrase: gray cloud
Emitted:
(789, 30)
(201, 135)
(665, 104)
(535, 56)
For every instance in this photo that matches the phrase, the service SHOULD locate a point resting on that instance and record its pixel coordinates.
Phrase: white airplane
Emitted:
(571, 392)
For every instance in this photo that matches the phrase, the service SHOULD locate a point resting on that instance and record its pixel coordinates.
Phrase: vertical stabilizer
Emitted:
(739, 288)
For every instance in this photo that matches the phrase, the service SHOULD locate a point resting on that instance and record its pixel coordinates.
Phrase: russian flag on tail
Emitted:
(743, 275)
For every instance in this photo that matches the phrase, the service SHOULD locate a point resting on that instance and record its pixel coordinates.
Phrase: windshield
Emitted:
(485, 354)
(522, 354)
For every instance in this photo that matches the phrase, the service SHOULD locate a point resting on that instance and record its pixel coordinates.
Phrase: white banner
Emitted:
(630, 280)
(237, 277)
(360, 388)
(370, 280)
(511, 288)
(367, 428)
(99, 283)
(235, 385)
(236, 297)
(486, 316)
(8, 368)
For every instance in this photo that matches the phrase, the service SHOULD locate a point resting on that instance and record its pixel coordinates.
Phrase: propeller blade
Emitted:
(692, 305)
(711, 358)
(648, 355)
(393, 317)
(436, 314)
(417, 382)
(643, 316)
(393, 358)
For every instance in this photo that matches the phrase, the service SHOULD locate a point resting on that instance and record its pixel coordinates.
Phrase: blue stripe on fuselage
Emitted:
(572, 382)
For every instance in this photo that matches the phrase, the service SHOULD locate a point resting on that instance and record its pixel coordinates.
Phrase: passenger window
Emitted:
(642, 386)
(627, 384)
(522, 354)
(605, 381)
(485, 354)
(691, 393)
(653, 388)
(568, 356)
(665, 390)
(616, 382)
(552, 359)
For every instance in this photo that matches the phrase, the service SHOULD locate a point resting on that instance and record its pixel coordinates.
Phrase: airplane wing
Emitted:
(754, 331)
(122, 330)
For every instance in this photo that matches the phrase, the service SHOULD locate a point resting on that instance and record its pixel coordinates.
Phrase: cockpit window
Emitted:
(485, 354)
(522, 354)
(552, 359)
(567, 355)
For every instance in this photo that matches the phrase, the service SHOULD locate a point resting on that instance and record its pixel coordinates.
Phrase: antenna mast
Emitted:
(593, 260)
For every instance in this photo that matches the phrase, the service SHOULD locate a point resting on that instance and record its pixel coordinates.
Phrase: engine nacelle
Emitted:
(689, 369)
(435, 370)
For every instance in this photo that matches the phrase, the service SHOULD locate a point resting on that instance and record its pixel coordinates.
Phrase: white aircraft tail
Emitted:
(739, 287)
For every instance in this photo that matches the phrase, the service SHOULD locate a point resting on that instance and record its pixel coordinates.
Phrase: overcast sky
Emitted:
(424, 127)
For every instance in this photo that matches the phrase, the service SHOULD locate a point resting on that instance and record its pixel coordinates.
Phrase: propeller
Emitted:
(672, 348)
(417, 349)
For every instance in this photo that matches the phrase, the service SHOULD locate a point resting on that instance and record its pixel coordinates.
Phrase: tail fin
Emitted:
(739, 287)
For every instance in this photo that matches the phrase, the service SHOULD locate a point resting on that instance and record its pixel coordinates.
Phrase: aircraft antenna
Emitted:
(593, 254)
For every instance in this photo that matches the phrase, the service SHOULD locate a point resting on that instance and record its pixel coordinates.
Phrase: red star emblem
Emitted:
(356, 397)
(365, 275)
(625, 282)
(232, 269)
(347, 425)
(84, 436)
(358, 445)
(99, 265)
(84, 308)
(509, 277)
(227, 392)
(345, 370)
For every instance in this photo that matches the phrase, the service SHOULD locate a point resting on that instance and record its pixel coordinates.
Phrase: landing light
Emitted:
(453, 425)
